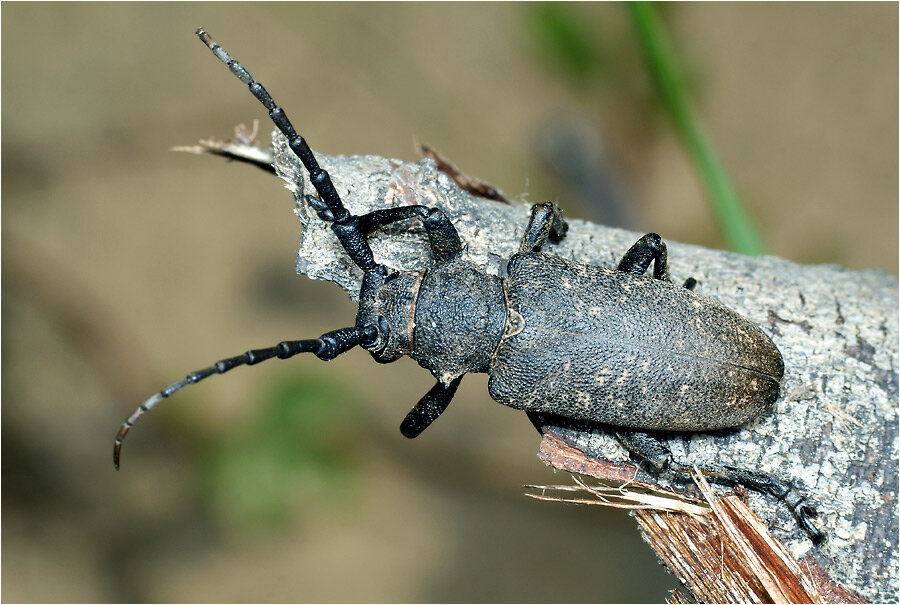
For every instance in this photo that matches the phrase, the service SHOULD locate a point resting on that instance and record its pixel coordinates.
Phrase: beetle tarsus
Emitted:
(803, 514)
(650, 449)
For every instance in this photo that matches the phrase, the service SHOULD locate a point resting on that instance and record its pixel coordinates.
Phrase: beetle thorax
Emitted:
(459, 315)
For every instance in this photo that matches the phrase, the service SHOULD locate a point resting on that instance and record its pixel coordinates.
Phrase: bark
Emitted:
(722, 552)
(833, 431)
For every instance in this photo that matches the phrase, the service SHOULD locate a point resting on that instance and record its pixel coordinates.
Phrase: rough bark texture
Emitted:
(721, 553)
(833, 430)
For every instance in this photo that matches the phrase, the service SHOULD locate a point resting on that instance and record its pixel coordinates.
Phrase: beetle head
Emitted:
(387, 301)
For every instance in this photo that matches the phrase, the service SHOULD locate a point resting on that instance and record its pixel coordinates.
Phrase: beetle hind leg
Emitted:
(649, 249)
(649, 448)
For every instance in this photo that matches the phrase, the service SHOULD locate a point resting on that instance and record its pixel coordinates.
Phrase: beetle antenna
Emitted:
(329, 205)
(326, 347)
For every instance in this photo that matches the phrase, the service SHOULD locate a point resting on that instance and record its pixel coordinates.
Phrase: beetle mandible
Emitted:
(611, 346)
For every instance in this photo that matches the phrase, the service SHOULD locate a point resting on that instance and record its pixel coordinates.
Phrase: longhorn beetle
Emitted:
(610, 346)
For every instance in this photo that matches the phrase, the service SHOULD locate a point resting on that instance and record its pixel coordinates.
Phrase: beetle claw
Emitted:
(804, 513)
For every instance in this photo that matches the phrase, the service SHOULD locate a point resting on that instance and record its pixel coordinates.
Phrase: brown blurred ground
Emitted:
(125, 265)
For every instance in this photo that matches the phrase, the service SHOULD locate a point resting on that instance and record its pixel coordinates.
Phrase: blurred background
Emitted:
(126, 265)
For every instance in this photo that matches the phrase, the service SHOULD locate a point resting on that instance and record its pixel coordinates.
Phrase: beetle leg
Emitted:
(649, 448)
(546, 222)
(646, 447)
(442, 235)
(761, 482)
(649, 249)
(428, 408)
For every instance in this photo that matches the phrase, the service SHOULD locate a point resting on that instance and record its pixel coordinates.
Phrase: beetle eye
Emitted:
(391, 277)
(384, 326)
(368, 335)
(374, 333)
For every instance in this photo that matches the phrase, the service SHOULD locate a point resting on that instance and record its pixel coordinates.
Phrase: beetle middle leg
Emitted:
(546, 222)
(649, 448)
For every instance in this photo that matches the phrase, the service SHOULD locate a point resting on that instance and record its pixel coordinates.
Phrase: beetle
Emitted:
(613, 346)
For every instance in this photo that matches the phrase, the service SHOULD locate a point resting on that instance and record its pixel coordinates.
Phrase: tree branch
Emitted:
(834, 429)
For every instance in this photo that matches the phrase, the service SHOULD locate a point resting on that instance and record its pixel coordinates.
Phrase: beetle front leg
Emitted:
(442, 235)
(546, 222)
(428, 408)
(649, 249)
(649, 448)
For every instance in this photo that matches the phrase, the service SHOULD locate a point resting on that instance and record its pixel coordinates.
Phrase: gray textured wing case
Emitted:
(628, 350)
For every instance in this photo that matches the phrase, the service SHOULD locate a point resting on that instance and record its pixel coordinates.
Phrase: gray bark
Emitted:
(834, 429)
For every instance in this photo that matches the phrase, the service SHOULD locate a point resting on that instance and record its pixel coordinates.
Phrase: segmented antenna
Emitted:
(345, 225)
(320, 179)
(326, 347)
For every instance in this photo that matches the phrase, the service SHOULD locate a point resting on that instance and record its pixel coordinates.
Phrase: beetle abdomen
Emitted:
(613, 347)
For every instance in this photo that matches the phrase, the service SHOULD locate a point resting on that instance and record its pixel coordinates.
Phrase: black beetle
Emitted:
(558, 337)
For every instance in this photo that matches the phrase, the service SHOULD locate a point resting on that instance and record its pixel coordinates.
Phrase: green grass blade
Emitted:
(733, 217)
